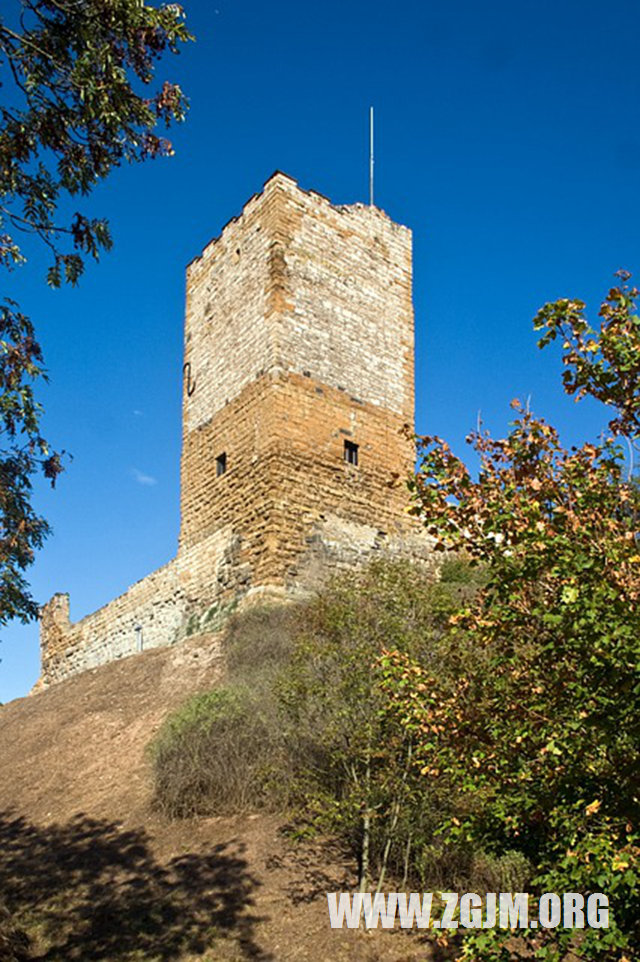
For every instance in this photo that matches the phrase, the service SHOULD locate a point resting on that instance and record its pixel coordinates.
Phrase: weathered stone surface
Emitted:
(298, 337)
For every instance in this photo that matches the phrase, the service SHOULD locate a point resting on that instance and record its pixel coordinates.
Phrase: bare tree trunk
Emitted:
(365, 848)
(364, 851)
(397, 805)
(387, 845)
(407, 852)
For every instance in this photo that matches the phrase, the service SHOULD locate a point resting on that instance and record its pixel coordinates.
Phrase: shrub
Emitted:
(218, 754)
(353, 765)
(223, 751)
(300, 726)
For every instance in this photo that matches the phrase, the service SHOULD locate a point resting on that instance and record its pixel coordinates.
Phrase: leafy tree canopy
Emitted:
(546, 740)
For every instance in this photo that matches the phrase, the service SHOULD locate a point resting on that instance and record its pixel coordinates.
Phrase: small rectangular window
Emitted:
(350, 452)
(221, 464)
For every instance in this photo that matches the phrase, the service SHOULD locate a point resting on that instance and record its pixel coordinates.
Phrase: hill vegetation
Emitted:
(474, 728)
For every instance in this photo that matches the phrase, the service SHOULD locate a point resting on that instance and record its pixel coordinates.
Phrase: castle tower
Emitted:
(299, 378)
(298, 383)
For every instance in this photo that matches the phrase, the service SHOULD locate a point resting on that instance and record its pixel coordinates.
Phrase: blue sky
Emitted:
(507, 139)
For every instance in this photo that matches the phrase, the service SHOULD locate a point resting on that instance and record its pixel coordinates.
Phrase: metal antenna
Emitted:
(371, 160)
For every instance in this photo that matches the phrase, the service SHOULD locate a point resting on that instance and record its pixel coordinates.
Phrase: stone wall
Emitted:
(228, 341)
(204, 584)
(294, 285)
(283, 438)
(192, 593)
(348, 317)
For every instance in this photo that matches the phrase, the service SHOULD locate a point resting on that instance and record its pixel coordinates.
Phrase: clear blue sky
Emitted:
(507, 139)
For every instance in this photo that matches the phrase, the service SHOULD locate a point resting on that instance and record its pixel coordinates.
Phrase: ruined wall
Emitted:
(298, 336)
(192, 593)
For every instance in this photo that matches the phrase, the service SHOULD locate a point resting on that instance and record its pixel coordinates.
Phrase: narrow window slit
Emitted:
(351, 452)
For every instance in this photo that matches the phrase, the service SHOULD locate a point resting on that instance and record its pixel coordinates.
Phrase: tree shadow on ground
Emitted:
(325, 865)
(317, 866)
(89, 890)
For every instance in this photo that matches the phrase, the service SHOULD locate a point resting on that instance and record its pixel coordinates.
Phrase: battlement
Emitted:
(279, 177)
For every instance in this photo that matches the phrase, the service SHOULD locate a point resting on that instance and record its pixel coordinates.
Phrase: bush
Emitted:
(217, 755)
(352, 764)
(299, 727)
(440, 866)
(224, 751)
(258, 643)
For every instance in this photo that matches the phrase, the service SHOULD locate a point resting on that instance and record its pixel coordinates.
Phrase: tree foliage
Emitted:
(546, 740)
(358, 776)
(604, 362)
(24, 451)
(77, 100)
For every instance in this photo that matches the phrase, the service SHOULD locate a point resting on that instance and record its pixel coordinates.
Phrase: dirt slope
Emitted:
(93, 874)
(79, 746)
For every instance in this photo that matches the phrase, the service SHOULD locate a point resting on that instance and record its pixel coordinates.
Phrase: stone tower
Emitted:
(299, 379)
(298, 382)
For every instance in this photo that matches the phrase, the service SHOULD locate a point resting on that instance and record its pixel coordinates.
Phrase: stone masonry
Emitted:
(298, 390)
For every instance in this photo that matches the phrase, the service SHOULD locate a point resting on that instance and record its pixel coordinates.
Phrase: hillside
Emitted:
(93, 873)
